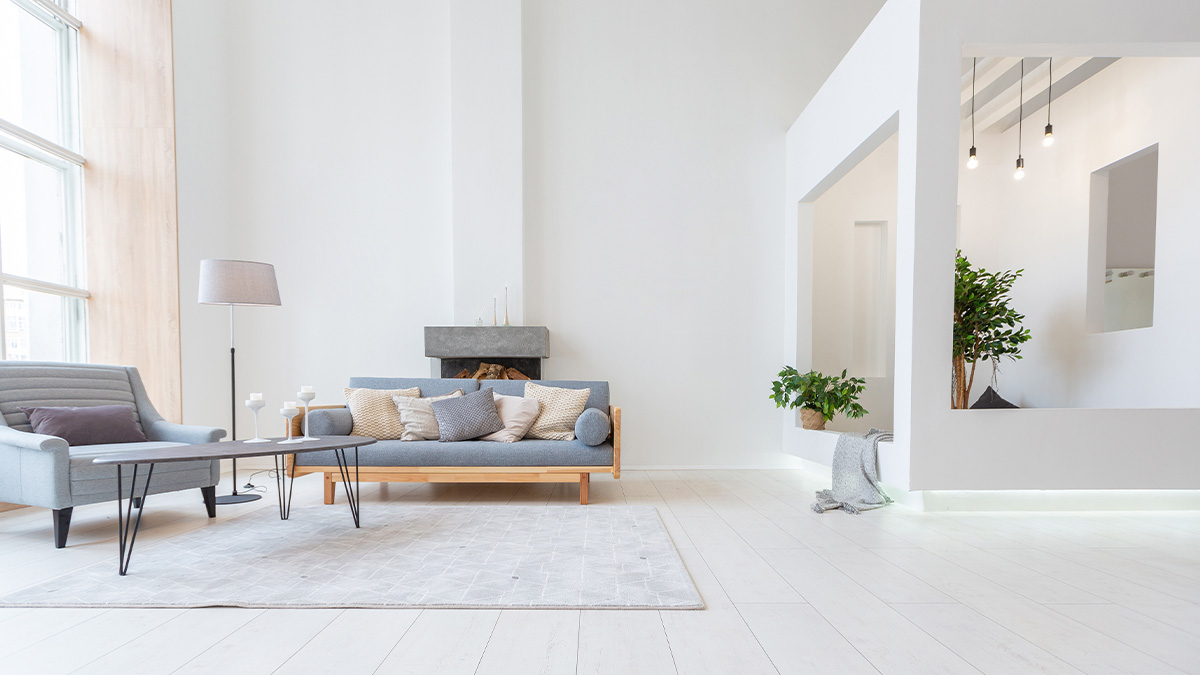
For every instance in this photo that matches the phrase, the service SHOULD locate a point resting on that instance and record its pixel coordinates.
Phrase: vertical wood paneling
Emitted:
(130, 218)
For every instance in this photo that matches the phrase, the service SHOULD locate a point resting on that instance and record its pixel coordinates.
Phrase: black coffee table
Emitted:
(226, 450)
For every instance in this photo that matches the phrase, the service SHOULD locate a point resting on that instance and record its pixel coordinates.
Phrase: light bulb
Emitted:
(1048, 139)
(972, 159)
(1020, 172)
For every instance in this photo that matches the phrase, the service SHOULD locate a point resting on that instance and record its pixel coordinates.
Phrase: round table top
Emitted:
(229, 450)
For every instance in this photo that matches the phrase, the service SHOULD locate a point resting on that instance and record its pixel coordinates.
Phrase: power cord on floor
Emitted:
(251, 487)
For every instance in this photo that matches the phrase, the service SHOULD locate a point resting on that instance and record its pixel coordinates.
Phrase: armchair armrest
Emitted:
(34, 469)
(162, 430)
(330, 422)
(25, 440)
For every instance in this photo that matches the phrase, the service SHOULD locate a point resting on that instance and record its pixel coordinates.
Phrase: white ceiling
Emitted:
(997, 90)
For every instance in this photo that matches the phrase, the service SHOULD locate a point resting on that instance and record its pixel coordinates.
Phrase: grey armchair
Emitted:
(39, 470)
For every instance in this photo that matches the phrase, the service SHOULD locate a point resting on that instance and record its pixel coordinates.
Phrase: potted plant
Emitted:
(985, 326)
(818, 396)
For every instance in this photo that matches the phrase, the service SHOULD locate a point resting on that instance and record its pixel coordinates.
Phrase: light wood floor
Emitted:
(787, 590)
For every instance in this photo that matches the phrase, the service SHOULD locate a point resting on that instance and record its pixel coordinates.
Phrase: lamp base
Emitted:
(238, 499)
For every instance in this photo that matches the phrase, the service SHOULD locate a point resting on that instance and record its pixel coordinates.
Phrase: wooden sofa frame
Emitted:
(466, 474)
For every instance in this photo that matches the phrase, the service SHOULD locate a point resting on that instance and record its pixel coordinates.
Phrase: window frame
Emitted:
(66, 159)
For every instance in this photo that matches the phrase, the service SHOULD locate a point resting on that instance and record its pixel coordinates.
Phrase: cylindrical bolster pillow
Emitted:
(330, 422)
(592, 427)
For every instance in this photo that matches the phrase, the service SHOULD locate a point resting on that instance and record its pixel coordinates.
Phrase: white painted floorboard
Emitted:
(787, 591)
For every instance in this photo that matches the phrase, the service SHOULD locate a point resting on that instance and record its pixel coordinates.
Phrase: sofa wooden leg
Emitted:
(62, 523)
(329, 487)
(210, 500)
(584, 480)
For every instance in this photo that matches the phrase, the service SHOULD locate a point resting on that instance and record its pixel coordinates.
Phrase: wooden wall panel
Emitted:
(130, 216)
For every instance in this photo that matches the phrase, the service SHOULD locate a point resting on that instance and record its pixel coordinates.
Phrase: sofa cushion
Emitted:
(469, 453)
(592, 427)
(467, 417)
(429, 386)
(87, 425)
(560, 409)
(518, 414)
(375, 414)
(82, 468)
(330, 422)
(598, 398)
(420, 424)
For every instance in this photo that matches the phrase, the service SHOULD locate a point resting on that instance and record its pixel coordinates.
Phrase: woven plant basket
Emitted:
(812, 419)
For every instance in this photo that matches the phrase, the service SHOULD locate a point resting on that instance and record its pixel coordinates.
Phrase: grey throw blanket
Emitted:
(855, 476)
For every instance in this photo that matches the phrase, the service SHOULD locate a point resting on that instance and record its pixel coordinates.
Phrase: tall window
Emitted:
(42, 274)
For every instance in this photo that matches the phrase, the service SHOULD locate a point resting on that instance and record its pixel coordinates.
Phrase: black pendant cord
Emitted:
(974, 61)
(1021, 109)
(1050, 92)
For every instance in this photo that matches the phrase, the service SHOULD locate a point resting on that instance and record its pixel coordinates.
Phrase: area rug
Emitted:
(403, 556)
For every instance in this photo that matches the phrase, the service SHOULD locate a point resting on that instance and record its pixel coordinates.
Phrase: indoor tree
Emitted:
(986, 327)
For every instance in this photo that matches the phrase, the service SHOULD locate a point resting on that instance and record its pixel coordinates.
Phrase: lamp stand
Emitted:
(234, 498)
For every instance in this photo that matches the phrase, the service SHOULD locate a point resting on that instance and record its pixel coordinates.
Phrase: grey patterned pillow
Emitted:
(467, 417)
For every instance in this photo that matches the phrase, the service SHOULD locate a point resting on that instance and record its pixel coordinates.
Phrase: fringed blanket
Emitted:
(855, 475)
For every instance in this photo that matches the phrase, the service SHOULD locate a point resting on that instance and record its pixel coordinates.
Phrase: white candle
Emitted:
(289, 404)
(306, 390)
(256, 397)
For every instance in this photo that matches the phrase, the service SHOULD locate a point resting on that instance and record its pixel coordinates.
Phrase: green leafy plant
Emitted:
(826, 394)
(986, 327)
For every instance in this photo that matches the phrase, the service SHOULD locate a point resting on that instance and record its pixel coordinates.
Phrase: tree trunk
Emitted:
(960, 383)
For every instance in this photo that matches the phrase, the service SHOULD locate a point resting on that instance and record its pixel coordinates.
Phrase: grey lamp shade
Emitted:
(238, 282)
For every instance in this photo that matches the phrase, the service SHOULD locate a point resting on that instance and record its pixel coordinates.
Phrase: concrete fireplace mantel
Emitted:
(454, 342)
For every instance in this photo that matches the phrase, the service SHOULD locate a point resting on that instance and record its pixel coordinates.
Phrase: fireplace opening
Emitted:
(501, 368)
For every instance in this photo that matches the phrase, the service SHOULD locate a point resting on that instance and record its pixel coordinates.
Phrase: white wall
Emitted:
(866, 194)
(1041, 224)
(316, 139)
(975, 450)
(653, 150)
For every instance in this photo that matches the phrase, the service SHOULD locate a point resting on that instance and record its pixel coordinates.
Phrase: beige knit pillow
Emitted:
(374, 413)
(560, 409)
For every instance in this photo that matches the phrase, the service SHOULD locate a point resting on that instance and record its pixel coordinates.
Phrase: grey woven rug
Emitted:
(403, 556)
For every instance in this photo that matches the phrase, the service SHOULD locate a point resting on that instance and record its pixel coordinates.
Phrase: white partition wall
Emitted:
(905, 74)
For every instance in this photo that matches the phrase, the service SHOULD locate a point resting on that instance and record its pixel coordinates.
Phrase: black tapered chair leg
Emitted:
(62, 523)
(210, 499)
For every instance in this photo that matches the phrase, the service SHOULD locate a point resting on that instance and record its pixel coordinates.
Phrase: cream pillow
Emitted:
(417, 416)
(374, 413)
(518, 414)
(560, 409)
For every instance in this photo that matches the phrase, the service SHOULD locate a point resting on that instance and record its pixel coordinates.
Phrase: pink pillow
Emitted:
(90, 425)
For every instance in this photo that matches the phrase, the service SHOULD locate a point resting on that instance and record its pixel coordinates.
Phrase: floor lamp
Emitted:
(237, 282)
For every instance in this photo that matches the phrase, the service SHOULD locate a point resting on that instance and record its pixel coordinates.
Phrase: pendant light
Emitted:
(1048, 139)
(972, 158)
(1020, 172)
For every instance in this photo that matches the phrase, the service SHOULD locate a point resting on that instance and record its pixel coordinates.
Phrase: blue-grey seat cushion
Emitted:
(470, 453)
(429, 386)
(592, 427)
(89, 479)
(598, 398)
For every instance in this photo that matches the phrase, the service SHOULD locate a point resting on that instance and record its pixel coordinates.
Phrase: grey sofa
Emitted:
(468, 461)
(39, 470)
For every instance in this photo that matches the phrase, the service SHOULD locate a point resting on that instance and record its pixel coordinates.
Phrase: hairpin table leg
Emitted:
(126, 532)
(351, 493)
(285, 486)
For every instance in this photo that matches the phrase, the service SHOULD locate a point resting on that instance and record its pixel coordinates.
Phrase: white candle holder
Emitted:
(256, 405)
(289, 413)
(307, 397)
